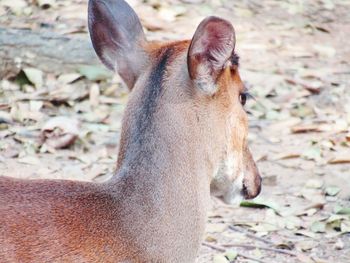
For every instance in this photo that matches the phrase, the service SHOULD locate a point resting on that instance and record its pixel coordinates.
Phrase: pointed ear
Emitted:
(117, 37)
(210, 51)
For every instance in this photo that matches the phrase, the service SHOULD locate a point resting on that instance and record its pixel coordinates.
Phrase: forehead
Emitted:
(178, 48)
(229, 78)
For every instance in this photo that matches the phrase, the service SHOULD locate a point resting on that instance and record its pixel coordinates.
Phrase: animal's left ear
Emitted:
(211, 48)
(118, 38)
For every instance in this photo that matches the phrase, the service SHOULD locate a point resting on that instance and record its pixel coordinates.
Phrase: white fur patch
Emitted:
(234, 195)
(230, 164)
(204, 80)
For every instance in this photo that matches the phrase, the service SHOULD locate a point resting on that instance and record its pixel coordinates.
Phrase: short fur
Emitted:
(175, 140)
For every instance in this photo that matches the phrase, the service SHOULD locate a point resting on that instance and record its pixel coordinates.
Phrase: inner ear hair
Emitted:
(210, 52)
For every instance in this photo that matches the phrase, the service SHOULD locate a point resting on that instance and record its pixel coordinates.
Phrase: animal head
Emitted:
(198, 84)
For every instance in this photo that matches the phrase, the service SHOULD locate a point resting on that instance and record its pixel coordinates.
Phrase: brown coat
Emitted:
(184, 127)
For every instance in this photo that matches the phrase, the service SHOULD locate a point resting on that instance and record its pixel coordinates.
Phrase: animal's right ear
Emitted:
(117, 37)
(210, 51)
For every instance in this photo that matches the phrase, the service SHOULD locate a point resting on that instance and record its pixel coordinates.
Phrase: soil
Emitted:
(295, 60)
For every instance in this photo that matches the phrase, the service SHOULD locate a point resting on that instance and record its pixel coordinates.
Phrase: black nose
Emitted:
(250, 193)
(245, 192)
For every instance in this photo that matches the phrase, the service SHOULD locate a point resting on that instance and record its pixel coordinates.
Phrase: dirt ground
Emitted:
(295, 60)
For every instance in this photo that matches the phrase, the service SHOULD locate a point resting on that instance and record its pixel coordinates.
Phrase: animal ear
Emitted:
(117, 37)
(211, 47)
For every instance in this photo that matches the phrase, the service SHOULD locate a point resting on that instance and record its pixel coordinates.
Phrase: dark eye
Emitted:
(243, 98)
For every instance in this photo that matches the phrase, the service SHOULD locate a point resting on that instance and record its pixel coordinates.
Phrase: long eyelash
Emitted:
(248, 95)
(235, 59)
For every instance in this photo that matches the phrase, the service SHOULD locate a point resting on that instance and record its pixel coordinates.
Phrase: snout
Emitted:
(245, 185)
(251, 190)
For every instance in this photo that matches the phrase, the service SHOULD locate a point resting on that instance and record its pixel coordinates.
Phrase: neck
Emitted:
(162, 180)
(163, 185)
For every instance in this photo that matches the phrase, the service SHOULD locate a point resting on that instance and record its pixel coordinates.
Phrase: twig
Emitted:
(37, 95)
(286, 166)
(277, 250)
(251, 258)
(213, 246)
(239, 254)
(305, 85)
(250, 235)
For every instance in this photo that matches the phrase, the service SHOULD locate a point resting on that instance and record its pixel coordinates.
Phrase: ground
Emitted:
(295, 60)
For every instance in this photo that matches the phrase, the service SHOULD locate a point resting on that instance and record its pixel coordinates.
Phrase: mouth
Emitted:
(233, 196)
(245, 193)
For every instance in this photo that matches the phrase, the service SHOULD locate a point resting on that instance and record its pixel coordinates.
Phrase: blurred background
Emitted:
(61, 110)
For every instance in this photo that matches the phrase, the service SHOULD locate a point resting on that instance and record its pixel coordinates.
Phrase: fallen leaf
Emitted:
(304, 258)
(10, 152)
(169, 13)
(29, 160)
(315, 195)
(209, 238)
(60, 132)
(68, 92)
(333, 218)
(35, 105)
(94, 95)
(339, 245)
(314, 183)
(35, 76)
(339, 160)
(334, 225)
(306, 233)
(220, 259)
(332, 190)
(312, 87)
(16, 6)
(308, 210)
(95, 73)
(325, 50)
(305, 128)
(231, 255)
(259, 202)
(345, 227)
(342, 210)
(306, 245)
(265, 228)
(215, 228)
(5, 117)
(68, 78)
(318, 227)
(45, 4)
(312, 153)
(287, 155)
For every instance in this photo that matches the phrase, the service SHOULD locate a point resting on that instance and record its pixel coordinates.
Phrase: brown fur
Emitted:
(174, 141)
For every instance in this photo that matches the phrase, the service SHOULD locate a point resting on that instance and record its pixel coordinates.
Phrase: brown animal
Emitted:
(184, 125)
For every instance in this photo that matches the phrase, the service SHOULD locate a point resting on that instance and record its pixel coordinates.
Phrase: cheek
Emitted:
(234, 166)
(230, 164)
(235, 146)
(239, 132)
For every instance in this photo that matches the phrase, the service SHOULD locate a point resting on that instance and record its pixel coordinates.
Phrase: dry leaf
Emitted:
(46, 3)
(68, 78)
(94, 95)
(220, 259)
(60, 132)
(215, 228)
(314, 183)
(29, 160)
(35, 76)
(339, 160)
(305, 128)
